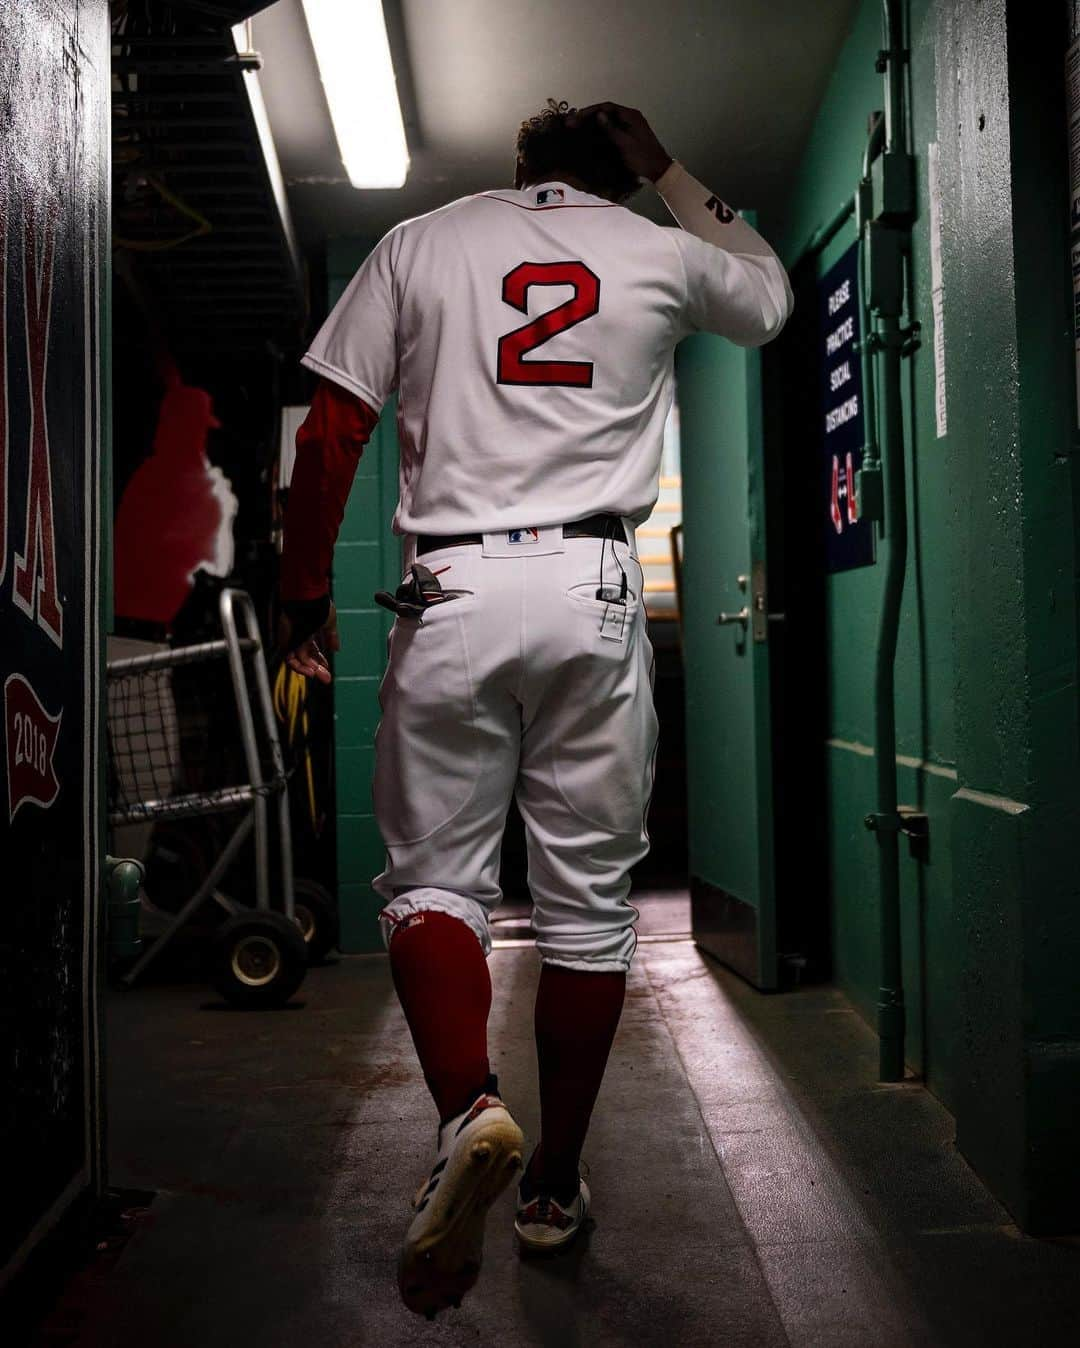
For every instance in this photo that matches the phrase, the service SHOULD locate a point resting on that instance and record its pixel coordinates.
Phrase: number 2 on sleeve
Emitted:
(512, 368)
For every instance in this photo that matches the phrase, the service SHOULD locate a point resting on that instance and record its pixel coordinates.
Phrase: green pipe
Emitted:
(892, 61)
(894, 545)
(894, 539)
(871, 462)
(123, 879)
(824, 234)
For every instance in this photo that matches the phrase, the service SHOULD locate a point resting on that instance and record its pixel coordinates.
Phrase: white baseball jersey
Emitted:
(529, 335)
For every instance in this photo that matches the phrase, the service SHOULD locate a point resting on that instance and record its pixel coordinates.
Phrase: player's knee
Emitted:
(409, 906)
(595, 947)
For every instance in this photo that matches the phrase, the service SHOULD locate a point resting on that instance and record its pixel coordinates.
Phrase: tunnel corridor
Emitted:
(812, 292)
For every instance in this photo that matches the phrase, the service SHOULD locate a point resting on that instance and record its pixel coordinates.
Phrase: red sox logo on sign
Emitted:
(30, 731)
(31, 740)
(34, 587)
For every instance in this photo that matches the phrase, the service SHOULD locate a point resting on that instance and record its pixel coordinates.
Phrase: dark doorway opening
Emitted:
(798, 662)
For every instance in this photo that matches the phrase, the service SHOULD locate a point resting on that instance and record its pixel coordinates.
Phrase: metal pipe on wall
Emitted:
(895, 542)
(886, 239)
(871, 460)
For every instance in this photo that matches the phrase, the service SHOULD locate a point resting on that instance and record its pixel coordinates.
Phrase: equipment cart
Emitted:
(257, 956)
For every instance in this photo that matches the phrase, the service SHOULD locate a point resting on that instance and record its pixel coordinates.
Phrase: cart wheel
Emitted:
(258, 959)
(316, 916)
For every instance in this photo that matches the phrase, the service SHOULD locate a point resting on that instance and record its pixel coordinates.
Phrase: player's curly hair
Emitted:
(546, 145)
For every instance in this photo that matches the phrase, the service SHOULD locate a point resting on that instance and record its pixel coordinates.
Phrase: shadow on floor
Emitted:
(870, 1226)
(753, 1186)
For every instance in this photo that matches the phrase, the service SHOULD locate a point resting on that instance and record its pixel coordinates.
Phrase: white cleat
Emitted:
(479, 1154)
(544, 1225)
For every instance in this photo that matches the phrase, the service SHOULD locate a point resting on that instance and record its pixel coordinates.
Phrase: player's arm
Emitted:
(743, 292)
(736, 284)
(700, 211)
(355, 356)
(328, 449)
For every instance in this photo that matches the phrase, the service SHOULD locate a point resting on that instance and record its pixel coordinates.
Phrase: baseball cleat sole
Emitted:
(442, 1262)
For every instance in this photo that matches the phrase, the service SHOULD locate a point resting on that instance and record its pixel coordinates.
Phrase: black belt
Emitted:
(594, 526)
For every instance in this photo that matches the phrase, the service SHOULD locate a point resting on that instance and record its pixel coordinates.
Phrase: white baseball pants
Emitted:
(528, 685)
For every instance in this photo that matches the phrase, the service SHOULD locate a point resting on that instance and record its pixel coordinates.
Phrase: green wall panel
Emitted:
(354, 867)
(355, 765)
(930, 933)
(367, 558)
(357, 709)
(362, 631)
(828, 173)
(712, 408)
(988, 712)
(1017, 814)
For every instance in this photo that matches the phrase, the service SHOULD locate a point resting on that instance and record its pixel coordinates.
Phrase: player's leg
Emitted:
(576, 1016)
(446, 757)
(446, 754)
(585, 935)
(584, 786)
(441, 976)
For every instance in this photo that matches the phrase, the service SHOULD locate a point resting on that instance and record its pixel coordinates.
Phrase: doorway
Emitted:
(754, 644)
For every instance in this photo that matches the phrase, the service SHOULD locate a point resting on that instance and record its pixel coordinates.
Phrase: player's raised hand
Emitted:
(307, 658)
(633, 137)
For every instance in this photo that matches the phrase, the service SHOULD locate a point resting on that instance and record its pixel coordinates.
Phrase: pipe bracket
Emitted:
(914, 823)
(912, 339)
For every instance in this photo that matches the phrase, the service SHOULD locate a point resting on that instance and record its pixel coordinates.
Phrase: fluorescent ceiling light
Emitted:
(242, 35)
(349, 38)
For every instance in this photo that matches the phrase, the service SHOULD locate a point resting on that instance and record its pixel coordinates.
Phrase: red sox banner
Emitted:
(54, 96)
(31, 742)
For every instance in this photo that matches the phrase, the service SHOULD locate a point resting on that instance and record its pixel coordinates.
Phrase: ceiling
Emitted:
(202, 241)
(730, 86)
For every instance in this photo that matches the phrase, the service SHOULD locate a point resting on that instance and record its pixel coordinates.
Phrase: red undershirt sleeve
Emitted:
(328, 448)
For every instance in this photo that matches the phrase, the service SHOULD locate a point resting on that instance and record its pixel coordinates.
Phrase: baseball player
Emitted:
(529, 334)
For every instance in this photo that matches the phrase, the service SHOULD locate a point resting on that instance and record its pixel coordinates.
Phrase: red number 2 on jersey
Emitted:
(584, 303)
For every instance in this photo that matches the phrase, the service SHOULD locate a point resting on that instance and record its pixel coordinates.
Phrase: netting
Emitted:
(144, 742)
(175, 745)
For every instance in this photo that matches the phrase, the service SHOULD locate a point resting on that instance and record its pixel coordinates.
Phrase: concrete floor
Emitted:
(752, 1184)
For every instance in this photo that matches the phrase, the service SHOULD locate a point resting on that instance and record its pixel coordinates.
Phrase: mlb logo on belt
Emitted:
(523, 536)
(549, 195)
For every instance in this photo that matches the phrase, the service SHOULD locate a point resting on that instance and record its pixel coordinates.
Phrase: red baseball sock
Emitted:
(576, 1015)
(442, 982)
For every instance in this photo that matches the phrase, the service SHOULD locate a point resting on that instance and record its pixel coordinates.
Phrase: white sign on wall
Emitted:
(1072, 94)
(937, 290)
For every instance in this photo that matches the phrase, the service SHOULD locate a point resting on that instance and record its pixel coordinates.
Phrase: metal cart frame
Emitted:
(240, 640)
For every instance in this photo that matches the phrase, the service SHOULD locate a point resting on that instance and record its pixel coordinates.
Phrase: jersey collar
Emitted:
(548, 196)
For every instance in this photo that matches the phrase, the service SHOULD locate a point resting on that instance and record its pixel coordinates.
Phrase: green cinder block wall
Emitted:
(926, 747)
(367, 558)
(1017, 810)
(987, 685)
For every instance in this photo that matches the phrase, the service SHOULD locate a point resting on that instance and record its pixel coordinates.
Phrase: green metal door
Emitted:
(726, 624)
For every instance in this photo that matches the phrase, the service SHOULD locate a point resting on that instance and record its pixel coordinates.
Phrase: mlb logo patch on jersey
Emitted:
(549, 196)
(517, 542)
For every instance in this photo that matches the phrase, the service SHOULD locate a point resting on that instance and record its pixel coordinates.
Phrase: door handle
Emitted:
(743, 617)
